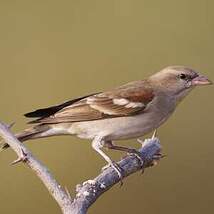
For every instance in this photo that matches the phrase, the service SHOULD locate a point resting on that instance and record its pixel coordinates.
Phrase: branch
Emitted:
(91, 190)
(24, 154)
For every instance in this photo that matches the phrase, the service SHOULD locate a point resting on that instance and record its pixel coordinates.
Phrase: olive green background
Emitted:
(52, 51)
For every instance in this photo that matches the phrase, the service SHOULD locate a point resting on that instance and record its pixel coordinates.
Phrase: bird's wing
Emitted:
(45, 112)
(126, 100)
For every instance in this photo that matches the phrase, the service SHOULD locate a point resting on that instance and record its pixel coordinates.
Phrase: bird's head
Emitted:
(178, 80)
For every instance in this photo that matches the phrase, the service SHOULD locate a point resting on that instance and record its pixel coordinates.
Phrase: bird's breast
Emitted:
(127, 127)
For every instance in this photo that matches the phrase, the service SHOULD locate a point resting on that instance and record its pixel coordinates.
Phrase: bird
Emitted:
(126, 112)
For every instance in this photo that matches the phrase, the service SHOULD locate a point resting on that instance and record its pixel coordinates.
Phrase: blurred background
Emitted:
(52, 51)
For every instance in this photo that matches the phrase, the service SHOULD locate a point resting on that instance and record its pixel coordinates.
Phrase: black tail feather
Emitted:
(46, 112)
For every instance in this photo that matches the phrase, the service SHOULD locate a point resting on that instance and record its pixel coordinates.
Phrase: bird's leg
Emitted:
(131, 151)
(97, 144)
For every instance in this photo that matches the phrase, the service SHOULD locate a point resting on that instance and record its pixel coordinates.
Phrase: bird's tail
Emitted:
(34, 132)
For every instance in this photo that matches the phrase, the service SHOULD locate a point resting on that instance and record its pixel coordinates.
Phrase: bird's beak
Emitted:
(201, 80)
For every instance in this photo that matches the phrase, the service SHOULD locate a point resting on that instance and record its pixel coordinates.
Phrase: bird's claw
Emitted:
(105, 167)
(117, 168)
(119, 171)
(138, 155)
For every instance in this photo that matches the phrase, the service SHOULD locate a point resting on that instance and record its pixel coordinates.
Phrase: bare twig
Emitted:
(59, 194)
(91, 190)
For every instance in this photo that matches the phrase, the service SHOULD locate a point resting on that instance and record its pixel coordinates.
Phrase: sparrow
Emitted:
(126, 112)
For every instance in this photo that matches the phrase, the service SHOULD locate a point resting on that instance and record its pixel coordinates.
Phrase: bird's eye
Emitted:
(183, 76)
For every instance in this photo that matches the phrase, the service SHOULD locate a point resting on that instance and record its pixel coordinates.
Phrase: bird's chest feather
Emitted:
(154, 116)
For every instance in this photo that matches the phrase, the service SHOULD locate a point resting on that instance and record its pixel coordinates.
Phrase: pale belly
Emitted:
(119, 128)
(127, 127)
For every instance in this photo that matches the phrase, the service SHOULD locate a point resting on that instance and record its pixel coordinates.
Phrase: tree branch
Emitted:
(91, 190)
(24, 154)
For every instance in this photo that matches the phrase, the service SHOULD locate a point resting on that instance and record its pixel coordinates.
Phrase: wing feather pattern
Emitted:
(127, 100)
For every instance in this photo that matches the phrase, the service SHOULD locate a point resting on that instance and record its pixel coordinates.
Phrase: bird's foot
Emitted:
(137, 154)
(117, 168)
(105, 167)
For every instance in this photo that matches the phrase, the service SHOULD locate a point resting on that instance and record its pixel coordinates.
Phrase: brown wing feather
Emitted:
(127, 100)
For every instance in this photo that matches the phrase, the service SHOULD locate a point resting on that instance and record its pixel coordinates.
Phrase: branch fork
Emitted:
(89, 191)
(22, 157)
